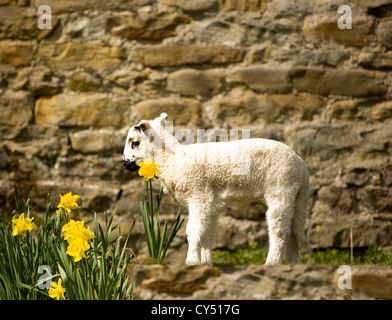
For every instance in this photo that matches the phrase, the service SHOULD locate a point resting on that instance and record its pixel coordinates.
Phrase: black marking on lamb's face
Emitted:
(137, 128)
(135, 144)
(130, 165)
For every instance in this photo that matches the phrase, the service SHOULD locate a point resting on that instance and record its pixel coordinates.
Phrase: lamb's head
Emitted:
(139, 144)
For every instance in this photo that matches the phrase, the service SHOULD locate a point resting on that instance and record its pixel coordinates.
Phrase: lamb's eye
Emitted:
(135, 144)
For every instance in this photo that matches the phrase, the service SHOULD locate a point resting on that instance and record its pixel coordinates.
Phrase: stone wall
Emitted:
(256, 282)
(282, 69)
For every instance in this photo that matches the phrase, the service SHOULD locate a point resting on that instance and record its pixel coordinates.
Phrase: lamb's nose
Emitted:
(125, 162)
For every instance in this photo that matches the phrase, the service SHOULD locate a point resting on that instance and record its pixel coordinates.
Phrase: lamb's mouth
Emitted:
(130, 165)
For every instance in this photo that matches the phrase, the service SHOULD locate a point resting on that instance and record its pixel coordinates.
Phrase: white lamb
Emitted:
(204, 177)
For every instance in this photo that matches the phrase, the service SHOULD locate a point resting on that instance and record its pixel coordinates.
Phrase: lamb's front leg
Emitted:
(199, 230)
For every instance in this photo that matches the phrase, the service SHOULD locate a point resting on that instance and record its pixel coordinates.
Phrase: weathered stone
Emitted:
(384, 32)
(96, 141)
(349, 109)
(81, 110)
(386, 175)
(19, 3)
(83, 81)
(71, 55)
(382, 110)
(322, 28)
(376, 138)
(337, 199)
(244, 282)
(79, 6)
(21, 81)
(368, 282)
(191, 5)
(180, 110)
(16, 53)
(361, 109)
(359, 176)
(322, 141)
(176, 280)
(43, 82)
(365, 231)
(16, 108)
(262, 79)
(375, 60)
(175, 55)
(234, 234)
(250, 108)
(220, 32)
(338, 82)
(243, 5)
(376, 198)
(21, 23)
(91, 167)
(145, 26)
(374, 3)
(304, 57)
(17, 23)
(195, 82)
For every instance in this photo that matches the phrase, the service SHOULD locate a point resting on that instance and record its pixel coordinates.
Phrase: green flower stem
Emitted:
(158, 240)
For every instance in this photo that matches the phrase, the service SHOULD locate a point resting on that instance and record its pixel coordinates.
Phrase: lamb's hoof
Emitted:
(192, 263)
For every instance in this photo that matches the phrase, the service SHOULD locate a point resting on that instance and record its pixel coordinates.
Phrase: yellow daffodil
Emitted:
(77, 248)
(148, 169)
(77, 237)
(57, 291)
(68, 202)
(75, 229)
(22, 225)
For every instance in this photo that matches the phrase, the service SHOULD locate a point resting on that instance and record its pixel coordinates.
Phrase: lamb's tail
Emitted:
(300, 215)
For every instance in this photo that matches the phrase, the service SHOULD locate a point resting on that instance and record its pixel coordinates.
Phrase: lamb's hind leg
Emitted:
(279, 217)
(199, 232)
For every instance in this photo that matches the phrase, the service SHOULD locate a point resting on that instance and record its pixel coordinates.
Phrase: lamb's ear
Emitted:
(163, 117)
(144, 125)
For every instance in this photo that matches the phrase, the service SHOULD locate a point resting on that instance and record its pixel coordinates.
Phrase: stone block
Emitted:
(243, 5)
(19, 3)
(322, 141)
(375, 59)
(305, 57)
(381, 111)
(337, 199)
(323, 28)
(371, 282)
(180, 110)
(377, 199)
(191, 5)
(69, 55)
(258, 282)
(274, 108)
(336, 233)
(80, 110)
(97, 141)
(16, 108)
(44, 82)
(384, 32)
(79, 6)
(83, 81)
(176, 55)
(195, 82)
(176, 280)
(16, 53)
(21, 23)
(145, 25)
(261, 78)
(91, 167)
(338, 82)
(361, 109)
